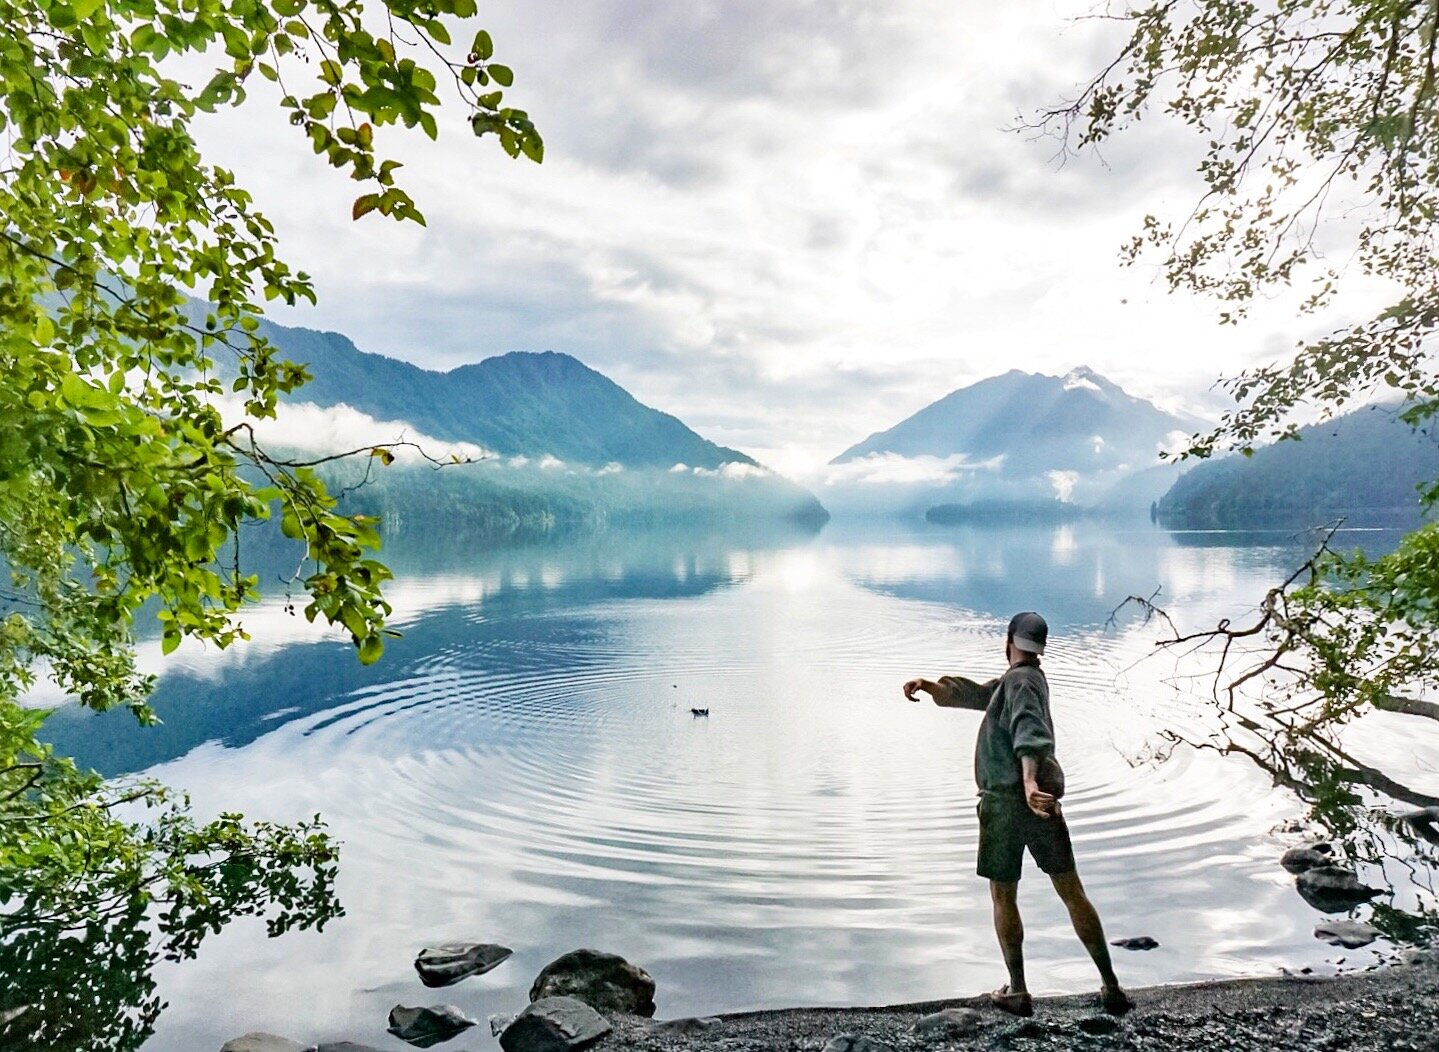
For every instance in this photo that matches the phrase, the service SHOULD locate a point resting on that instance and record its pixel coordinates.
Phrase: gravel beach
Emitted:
(1394, 1008)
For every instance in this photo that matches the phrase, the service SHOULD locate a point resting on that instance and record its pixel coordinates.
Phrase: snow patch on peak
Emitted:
(1082, 379)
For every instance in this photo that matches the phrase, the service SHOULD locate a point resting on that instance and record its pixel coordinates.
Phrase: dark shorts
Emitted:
(1007, 826)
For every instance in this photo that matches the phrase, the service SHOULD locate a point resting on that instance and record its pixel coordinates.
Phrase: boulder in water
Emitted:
(554, 1024)
(1347, 933)
(426, 1026)
(450, 962)
(1333, 889)
(603, 981)
(1310, 856)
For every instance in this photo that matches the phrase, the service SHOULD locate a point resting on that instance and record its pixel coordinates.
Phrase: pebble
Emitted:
(1137, 942)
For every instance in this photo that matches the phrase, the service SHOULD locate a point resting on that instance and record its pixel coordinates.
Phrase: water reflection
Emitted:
(523, 768)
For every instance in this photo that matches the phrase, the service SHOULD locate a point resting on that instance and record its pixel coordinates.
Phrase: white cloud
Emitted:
(790, 224)
(1175, 442)
(735, 469)
(895, 469)
(307, 428)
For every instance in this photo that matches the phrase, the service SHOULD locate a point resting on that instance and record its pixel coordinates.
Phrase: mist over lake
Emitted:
(524, 768)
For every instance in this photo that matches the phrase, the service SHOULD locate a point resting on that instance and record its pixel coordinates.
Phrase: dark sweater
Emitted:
(1016, 723)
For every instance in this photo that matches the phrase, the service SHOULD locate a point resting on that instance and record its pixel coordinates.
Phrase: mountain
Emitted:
(577, 451)
(1079, 422)
(522, 403)
(1366, 466)
(1014, 440)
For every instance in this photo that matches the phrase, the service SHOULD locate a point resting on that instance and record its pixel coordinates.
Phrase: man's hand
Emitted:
(930, 688)
(1040, 802)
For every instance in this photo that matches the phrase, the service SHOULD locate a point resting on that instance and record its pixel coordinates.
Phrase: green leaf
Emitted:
(503, 75)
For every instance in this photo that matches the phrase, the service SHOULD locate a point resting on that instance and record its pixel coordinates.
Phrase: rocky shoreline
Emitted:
(1394, 1008)
(1391, 1008)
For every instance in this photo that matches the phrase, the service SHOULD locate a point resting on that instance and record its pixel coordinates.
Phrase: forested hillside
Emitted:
(1365, 464)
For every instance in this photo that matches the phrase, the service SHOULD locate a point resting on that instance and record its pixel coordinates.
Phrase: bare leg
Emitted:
(1010, 929)
(1085, 919)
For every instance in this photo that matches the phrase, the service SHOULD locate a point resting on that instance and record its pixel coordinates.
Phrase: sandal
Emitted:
(1014, 1004)
(1115, 1000)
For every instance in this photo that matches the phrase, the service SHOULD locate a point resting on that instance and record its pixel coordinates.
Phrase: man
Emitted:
(1019, 785)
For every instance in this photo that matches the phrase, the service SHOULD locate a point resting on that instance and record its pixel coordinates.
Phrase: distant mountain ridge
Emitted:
(517, 404)
(1078, 422)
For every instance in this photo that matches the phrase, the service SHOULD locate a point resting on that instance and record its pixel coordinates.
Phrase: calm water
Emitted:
(523, 768)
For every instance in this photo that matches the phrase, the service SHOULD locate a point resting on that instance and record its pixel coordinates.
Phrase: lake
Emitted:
(523, 767)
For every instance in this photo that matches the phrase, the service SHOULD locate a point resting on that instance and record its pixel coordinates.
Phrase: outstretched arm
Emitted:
(952, 692)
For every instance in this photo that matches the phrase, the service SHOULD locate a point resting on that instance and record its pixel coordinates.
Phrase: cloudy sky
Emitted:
(789, 223)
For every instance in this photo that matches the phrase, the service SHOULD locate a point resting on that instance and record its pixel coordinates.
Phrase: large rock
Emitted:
(450, 962)
(341, 1046)
(949, 1023)
(1347, 933)
(258, 1041)
(554, 1024)
(1333, 889)
(426, 1026)
(601, 980)
(1311, 856)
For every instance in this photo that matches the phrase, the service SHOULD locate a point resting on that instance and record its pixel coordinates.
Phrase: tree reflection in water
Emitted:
(1283, 689)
